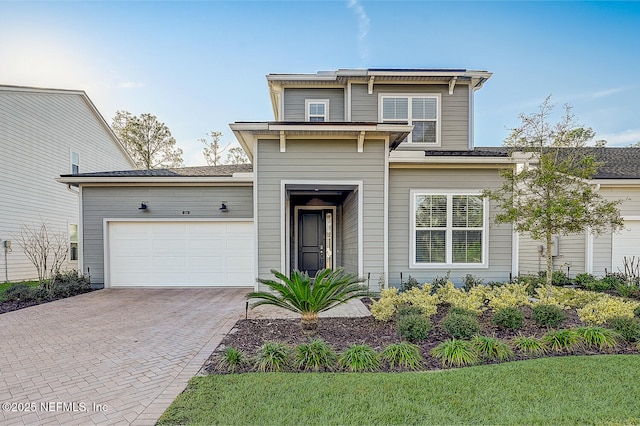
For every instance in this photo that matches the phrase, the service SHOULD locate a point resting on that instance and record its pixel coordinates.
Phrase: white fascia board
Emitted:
(615, 182)
(243, 179)
(328, 76)
(422, 159)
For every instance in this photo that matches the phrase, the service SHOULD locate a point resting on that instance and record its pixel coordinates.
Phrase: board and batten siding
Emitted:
(320, 161)
(454, 111)
(401, 182)
(294, 103)
(38, 132)
(122, 202)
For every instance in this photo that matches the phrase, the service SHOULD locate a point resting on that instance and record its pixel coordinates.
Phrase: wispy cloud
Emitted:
(363, 29)
(625, 138)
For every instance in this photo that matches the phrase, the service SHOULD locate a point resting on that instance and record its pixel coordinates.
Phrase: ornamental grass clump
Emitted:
(563, 340)
(529, 345)
(599, 337)
(359, 358)
(490, 347)
(404, 355)
(232, 359)
(315, 356)
(272, 356)
(455, 353)
(300, 294)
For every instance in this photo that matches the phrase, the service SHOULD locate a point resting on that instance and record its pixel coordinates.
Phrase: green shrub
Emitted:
(272, 356)
(441, 281)
(470, 281)
(73, 282)
(19, 292)
(454, 352)
(461, 326)
(510, 317)
(461, 311)
(530, 345)
(315, 355)
(405, 310)
(584, 278)
(561, 340)
(600, 337)
(413, 328)
(628, 328)
(559, 278)
(405, 355)
(548, 315)
(409, 284)
(359, 358)
(601, 285)
(491, 348)
(627, 290)
(636, 312)
(232, 358)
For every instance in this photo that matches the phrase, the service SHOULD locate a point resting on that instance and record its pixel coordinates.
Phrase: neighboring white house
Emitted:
(45, 133)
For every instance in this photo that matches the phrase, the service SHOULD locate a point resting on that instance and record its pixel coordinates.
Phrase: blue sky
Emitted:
(198, 66)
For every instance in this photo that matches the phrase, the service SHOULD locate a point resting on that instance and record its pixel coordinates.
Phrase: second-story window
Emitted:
(317, 109)
(423, 111)
(75, 163)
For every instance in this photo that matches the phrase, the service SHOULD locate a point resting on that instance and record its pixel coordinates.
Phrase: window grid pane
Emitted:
(430, 246)
(395, 108)
(467, 246)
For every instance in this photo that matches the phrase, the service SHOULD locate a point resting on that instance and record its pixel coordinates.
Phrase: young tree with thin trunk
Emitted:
(46, 250)
(148, 141)
(237, 156)
(549, 191)
(212, 150)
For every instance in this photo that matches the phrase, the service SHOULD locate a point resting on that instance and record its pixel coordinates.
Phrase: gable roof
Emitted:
(87, 101)
(226, 170)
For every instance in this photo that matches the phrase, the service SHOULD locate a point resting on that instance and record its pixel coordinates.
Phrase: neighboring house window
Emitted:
(423, 111)
(317, 110)
(75, 162)
(448, 229)
(73, 241)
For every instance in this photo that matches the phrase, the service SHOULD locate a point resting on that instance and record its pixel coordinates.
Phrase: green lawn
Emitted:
(4, 286)
(562, 390)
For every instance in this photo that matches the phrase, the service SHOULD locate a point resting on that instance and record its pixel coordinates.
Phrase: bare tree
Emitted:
(213, 150)
(46, 250)
(236, 156)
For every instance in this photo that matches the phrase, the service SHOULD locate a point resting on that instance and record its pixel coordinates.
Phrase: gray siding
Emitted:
(401, 182)
(349, 252)
(571, 253)
(319, 160)
(454, 110)
(121, 202)
(294, 103)
(38, 131)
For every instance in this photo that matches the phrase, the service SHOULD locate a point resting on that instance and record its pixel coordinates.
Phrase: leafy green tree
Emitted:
(148, 141)
(549, 192)
(300, 294)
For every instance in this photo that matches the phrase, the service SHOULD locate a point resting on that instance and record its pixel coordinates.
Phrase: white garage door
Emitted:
(626, 243)
(187, 254)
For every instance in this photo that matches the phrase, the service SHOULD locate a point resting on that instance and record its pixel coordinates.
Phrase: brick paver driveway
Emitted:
(115, 356)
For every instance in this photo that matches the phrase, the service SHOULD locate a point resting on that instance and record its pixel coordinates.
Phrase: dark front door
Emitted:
(311, 241)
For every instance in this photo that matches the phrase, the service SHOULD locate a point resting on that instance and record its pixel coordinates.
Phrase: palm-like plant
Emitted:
(300, 294)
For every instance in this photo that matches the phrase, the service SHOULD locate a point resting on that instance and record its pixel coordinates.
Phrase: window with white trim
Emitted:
(317, 110)
(448, 229)
(75, 162)
(423, 111)
(73, 241)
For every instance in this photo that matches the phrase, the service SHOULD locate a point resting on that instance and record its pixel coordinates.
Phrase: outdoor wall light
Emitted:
(223, 207)
(143, 207)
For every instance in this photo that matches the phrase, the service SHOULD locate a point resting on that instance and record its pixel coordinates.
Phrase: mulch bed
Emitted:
(248, 335)
(6, 306)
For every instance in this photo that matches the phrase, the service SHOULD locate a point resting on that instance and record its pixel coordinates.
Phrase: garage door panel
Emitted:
(626, 244)
(161, 254)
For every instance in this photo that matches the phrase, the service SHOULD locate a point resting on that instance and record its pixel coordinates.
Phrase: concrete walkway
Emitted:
(111, 356)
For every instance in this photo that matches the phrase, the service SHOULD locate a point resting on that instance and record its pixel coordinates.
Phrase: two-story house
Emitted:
(372, 170)
(45, 133)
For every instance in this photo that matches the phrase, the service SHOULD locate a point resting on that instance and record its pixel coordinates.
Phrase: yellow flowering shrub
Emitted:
(422, 298)
(508, 296)
(383, 309)
(566, 298)
(606, 308)
(550, 295)
(473, 300)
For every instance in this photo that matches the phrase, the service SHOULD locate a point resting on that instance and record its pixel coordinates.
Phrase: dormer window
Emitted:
(317, 110)
(423, 111)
